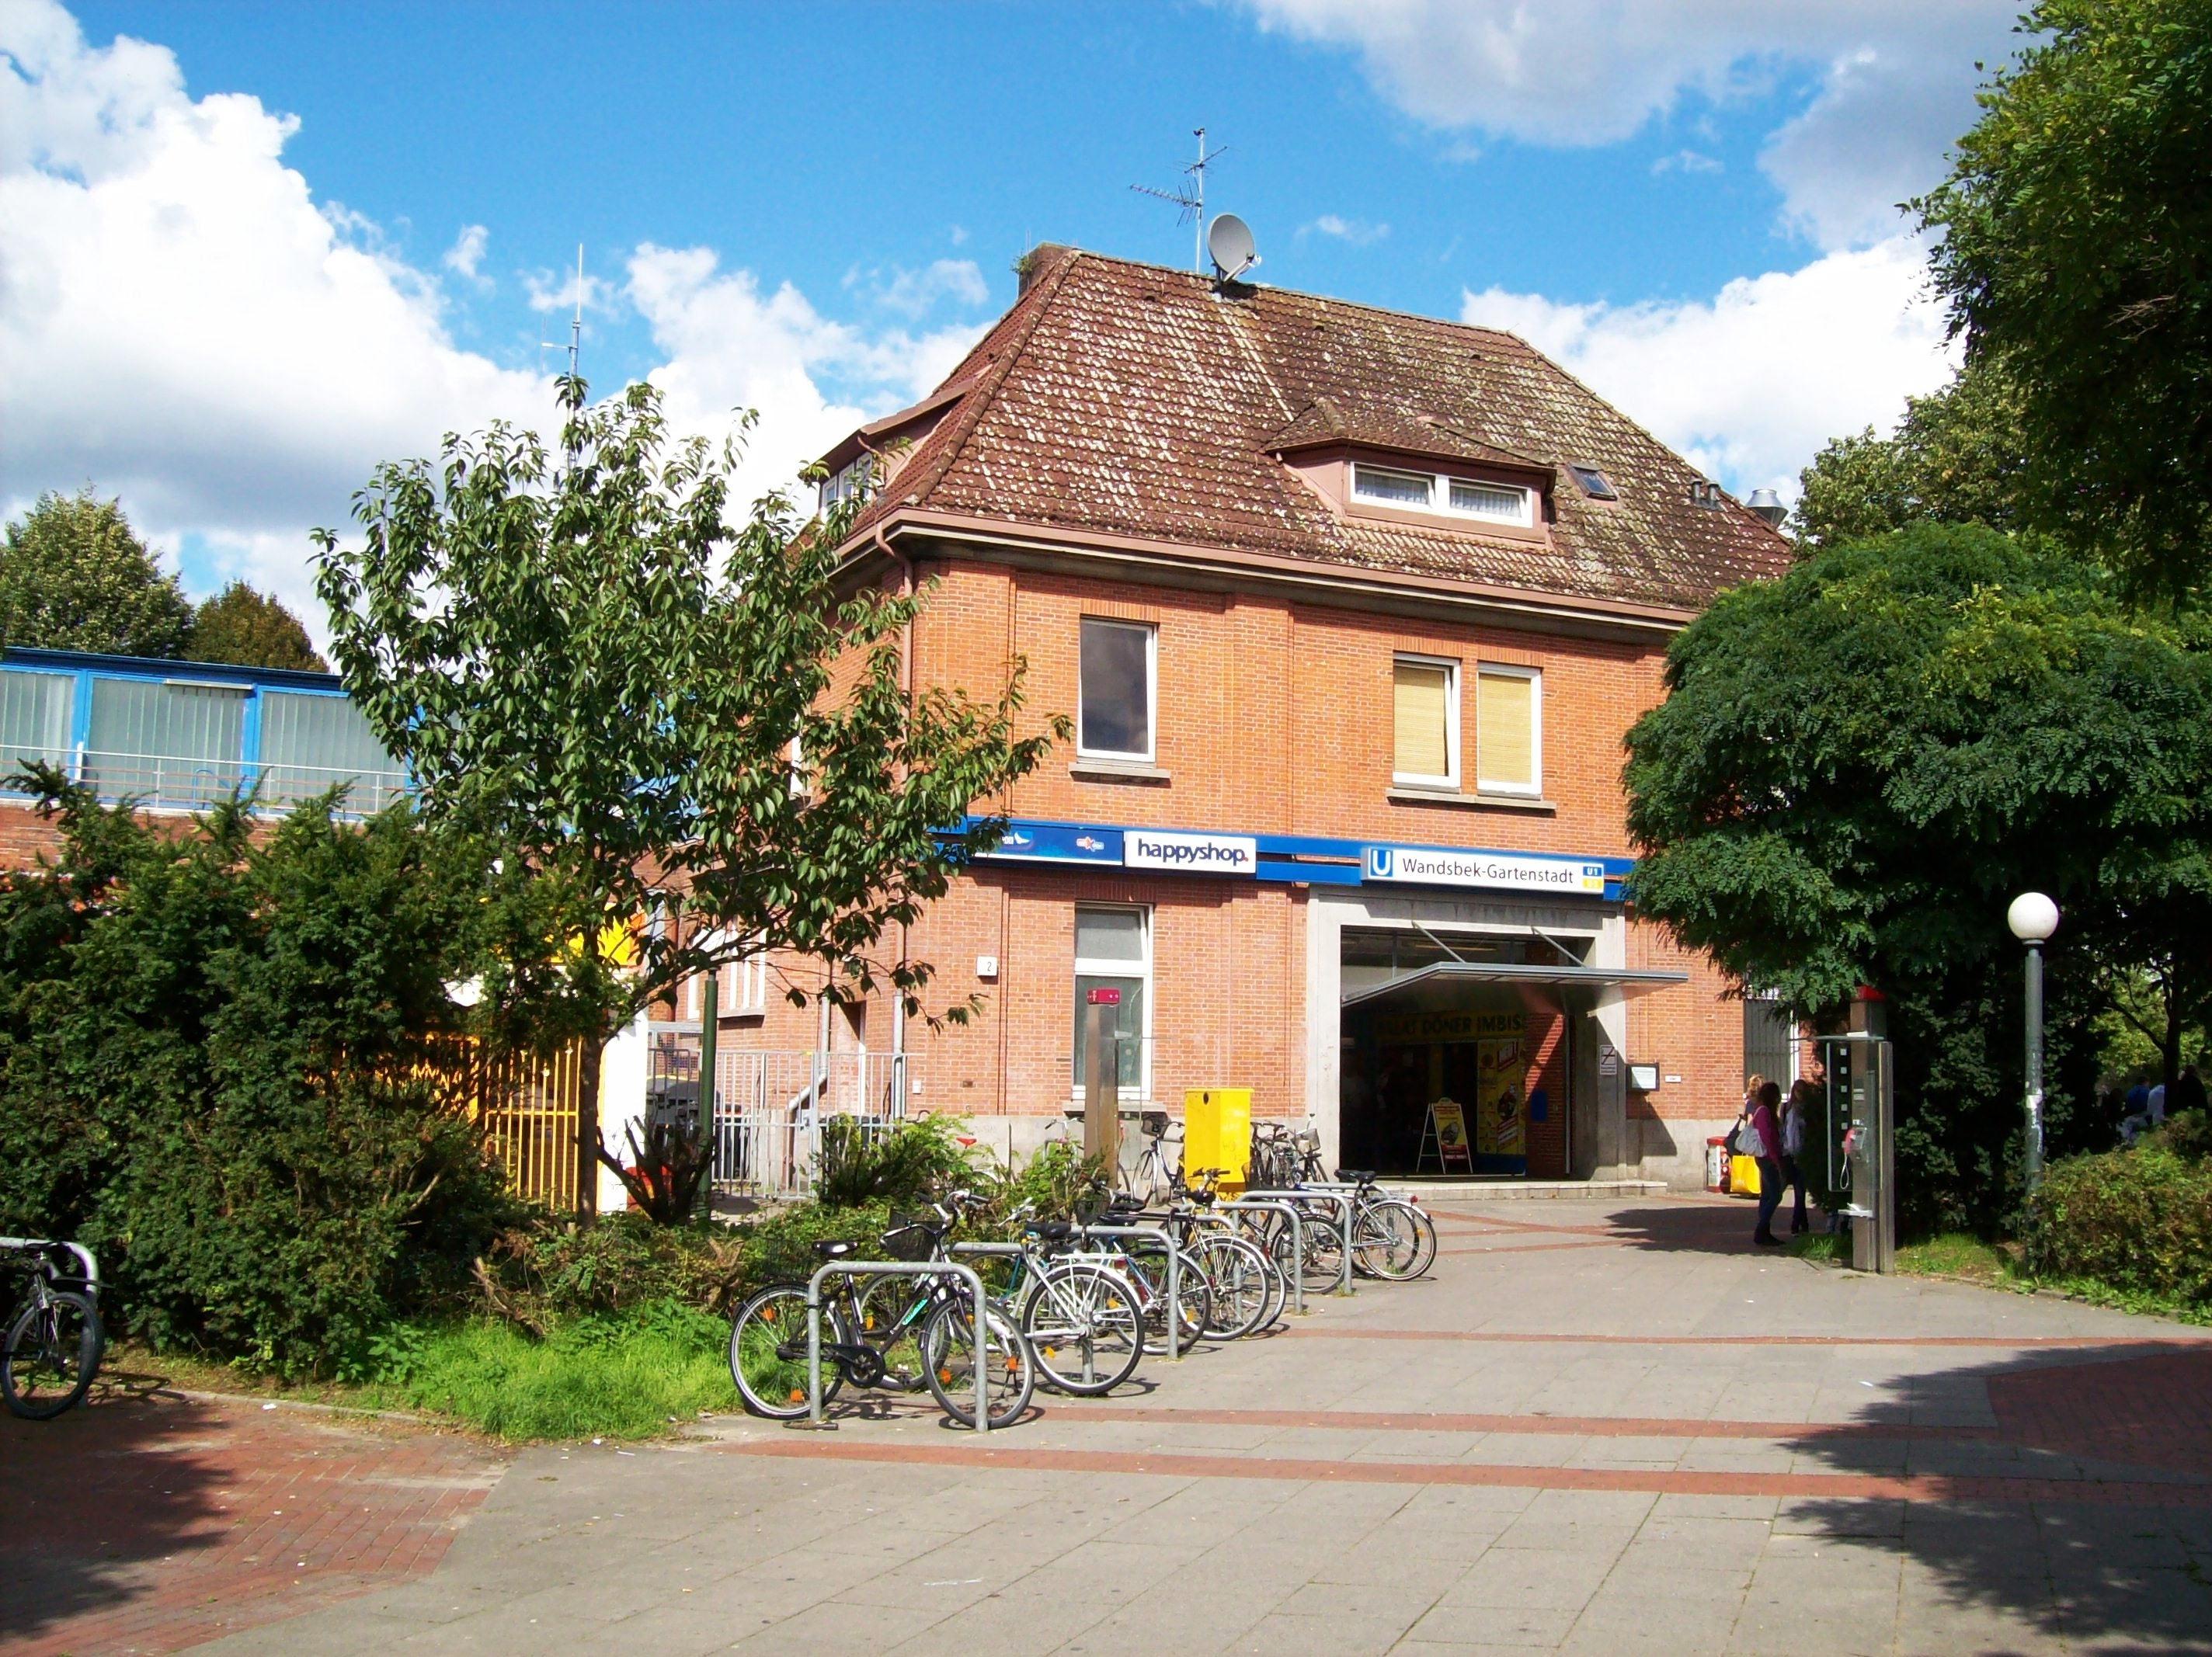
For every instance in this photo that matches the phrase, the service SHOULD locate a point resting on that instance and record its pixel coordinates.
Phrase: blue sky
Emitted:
(832, 146)
(249, 249)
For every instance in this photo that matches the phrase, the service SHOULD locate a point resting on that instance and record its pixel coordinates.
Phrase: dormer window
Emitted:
(848, 481)
(1439, 492)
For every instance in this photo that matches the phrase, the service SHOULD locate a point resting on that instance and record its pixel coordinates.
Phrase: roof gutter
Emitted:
(1654, 620)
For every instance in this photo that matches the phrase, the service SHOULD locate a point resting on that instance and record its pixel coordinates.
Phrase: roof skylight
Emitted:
(1593, 482)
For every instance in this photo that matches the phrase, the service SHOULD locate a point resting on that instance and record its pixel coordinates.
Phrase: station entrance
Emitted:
(1454, 1061)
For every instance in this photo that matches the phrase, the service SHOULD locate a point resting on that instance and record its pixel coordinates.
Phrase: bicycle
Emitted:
(896, 1332)
(1153, 1179)
(1083, 1317)
(56, 1340)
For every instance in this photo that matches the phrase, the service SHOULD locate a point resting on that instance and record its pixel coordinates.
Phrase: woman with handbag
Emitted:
(1760, 1138)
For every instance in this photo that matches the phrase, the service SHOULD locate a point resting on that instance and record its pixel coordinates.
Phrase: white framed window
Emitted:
(1425, 721)
(1509, 730)
(1441, 493)
(1117, 688)
(740, 989)
(1114, 951)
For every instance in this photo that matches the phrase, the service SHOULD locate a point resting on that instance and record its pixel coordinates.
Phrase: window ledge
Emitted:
(1401, 795)
(1116, 771)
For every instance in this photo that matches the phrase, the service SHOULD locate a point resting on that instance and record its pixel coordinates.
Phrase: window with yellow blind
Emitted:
(1425, 702)
(1509, 730)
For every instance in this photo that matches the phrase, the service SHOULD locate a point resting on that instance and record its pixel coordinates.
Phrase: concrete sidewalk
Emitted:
(1603, 1427)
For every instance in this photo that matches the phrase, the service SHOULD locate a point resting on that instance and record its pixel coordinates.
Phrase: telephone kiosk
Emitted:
(1860, 1067)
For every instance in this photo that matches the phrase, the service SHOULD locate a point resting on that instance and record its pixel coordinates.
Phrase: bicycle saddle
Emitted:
(1052, 1230)
(830, 1249)
(1355, 1175)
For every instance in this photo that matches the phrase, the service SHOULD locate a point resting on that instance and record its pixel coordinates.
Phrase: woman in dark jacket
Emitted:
(1766, 1129)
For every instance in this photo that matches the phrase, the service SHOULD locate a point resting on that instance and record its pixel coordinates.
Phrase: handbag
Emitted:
(1750, 1142)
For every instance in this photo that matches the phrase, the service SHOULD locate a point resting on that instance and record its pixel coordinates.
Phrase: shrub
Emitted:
(218, 1067)
(539, 1276)
(2139, 1222)
(915, 1161)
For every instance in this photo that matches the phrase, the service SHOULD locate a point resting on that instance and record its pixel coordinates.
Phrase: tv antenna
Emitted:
(575, 324)
(1191, 198)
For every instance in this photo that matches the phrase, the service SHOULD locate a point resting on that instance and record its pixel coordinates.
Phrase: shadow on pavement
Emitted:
(122, 1480)
(2126, 1569)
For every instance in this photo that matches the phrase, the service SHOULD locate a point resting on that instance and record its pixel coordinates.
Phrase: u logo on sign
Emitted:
(1378, 862)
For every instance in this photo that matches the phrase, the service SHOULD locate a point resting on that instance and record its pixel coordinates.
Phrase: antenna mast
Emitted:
(576, 326)
(1191, 198)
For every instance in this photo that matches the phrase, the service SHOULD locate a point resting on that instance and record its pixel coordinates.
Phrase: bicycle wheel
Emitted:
(1009, 1377)
(1383, 1240)
(768, 1352)
(1324, 1243)
(1236, 1281)
(1083, 1328)
(891, 1311)
(53, 1352)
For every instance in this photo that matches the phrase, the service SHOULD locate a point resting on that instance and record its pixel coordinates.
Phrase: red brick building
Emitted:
(1352, 611)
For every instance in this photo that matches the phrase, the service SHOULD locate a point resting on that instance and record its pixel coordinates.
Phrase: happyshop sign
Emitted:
(1410, 865)
(1190, 855)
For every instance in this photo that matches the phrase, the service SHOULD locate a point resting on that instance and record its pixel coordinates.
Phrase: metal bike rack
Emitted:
(889, 1269)
(1341, 1196)
(1161, 1239)
(91, 1265)
(1298, 1241)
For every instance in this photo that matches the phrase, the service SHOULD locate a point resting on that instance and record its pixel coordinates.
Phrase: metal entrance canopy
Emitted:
(1629, 981)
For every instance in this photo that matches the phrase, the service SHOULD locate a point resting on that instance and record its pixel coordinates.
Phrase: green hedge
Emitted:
(215, 1048)
(2138, 1222)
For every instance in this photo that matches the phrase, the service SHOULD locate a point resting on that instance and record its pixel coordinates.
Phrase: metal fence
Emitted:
(769, 1106)
(174, 783)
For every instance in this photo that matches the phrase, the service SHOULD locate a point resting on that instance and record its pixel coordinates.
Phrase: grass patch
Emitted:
(631, 1376)
(1957, 1254)
(637, 1375)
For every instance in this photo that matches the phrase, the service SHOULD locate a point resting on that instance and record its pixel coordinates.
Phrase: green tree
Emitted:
(581, 655)
(1858, 766)
(1955, 457)
(2076, 256)
(248, 629)
(73, 576)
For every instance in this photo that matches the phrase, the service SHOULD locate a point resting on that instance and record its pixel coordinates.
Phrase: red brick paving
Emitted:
(1384, 1421)
(150, 1525)
(1843, 1487)
(2002, 1342)
(2148, 1412)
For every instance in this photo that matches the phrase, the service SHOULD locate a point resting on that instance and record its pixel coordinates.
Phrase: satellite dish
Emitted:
(1228, 243)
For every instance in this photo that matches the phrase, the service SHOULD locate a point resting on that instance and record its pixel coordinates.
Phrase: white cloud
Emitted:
(182, 324)
(729, 346)
(1750, 385)
(1358, 232)
(914, 294)
(1896, 78)
(466, 254)
(1685, 161)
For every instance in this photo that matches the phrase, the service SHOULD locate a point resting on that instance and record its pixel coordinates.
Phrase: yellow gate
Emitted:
(525, 1108)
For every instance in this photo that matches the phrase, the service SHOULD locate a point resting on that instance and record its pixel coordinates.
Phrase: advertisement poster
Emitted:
(1498, 1128)
(1448, 1122)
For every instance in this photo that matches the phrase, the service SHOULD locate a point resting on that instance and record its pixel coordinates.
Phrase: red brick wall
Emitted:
(1272, 718)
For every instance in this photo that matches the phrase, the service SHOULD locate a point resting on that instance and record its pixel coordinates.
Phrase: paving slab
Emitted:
(1604, 1426)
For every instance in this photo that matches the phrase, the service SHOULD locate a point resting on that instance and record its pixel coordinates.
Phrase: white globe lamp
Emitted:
(2032, 918)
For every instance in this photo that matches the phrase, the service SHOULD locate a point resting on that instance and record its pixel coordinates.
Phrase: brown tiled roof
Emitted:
(1131, 400)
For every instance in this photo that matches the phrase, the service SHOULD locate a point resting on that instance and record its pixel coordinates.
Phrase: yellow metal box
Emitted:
(1216, 1132)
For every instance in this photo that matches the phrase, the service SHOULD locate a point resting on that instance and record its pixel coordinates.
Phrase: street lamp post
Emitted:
(2033, 919)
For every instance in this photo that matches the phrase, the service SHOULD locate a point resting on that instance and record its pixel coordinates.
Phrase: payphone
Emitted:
(1860, 1068)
